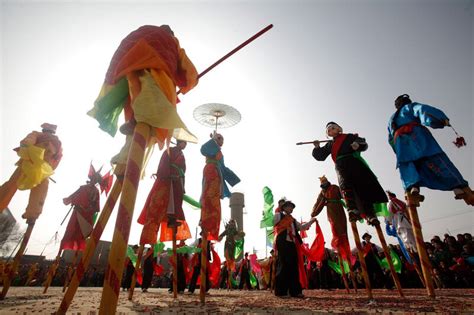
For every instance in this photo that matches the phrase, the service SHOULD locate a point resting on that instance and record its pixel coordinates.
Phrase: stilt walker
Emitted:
(216, 176)
(423, 163)
(231, 234)
(70, 270)
(52, 271)
(40, 154)
(363, 265)
(93, 240)
(144, 82)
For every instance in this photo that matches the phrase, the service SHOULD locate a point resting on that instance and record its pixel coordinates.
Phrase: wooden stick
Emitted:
(115, 265)
(52, 271)
(417, 268)
(70, 270)
(136, 271)
(413, 203)
(202, 291)
(92, 241)
(363, 265)
(175, 264)
(389, 259)
(352, 275)
(311, 142)
(233, 51)
(16, 261)
(346, 285)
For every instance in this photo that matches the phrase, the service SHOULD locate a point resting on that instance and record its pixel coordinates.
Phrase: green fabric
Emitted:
(193, 203)
(270, 236)
(239, 247)
(267, 214)
(107, 109)
(184, 250)
(337, 268)
(397, 264)
(253, 280)
(180, 170)
(158, 248)
(131, 255)
(234, 282)
(381, 209)
(94, 218)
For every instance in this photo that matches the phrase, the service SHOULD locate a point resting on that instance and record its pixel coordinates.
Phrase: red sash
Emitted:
(338, 140)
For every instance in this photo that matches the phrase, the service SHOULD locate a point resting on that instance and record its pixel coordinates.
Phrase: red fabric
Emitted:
(338, 140)
(256, 268)
(211, 201)
(106, 183)
(139, 276)
(405, 129)
(214, 268)
(301, 271)
(316, 252)
(303, 233)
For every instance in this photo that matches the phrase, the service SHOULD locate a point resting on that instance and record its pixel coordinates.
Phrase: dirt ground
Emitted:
(30, 300)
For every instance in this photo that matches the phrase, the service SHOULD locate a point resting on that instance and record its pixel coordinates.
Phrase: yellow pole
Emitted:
(363, 265)
(52, 271)
(92, 241)
(114, 271)
(16, 261)
(413, 203)
(70, 270)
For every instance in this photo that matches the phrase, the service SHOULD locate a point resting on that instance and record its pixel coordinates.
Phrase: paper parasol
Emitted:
(216, 115)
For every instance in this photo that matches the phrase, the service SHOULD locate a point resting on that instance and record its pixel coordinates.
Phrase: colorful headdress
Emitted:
(105, 182)
(49, 127)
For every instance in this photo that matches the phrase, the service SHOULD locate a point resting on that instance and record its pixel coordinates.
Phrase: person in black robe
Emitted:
(197, 268)
(245, 273)
(147, 270)
(359, 185)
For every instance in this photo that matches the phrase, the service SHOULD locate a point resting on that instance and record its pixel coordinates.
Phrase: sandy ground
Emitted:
(28, 300)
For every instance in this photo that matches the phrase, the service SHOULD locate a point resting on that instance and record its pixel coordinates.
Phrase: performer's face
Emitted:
(220, 140)
(182, 145)
(333, 130)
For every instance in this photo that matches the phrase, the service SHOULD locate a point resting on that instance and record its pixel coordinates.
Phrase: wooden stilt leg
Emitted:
(353, 278)
(16, 260)
(343, 275)
(417, 267)
(175, 264)
(202, 292)
(363, 265)
(389, 259)
(70, 270)
(136, 272)
(52, 272)
(413, 203)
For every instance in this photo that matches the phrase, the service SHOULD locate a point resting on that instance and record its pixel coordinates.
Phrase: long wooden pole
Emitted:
(233, 51)
(70, 270)
(343, 275)
(417, 267)
(52, 271)
(175, 264)
(114, 271)
(353, 278)
(389, 259)
(93, 240)
(136, 272)
(202, 291)
(17, 259)
(363, 265)
(413, 203)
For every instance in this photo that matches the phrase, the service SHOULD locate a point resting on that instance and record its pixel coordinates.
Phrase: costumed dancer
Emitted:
(231, 234)
(148, 269)
(420, 159)
(330, 196)
(290, 271)
(244, 272)
(215, 178)
(40, 154)
(141, 79)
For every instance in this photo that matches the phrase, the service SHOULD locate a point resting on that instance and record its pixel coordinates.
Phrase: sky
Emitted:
(343, 61)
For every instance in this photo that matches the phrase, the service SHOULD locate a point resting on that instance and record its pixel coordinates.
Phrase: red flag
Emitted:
(316, 252)
(214, 268)
(303, 233)
(254, 264)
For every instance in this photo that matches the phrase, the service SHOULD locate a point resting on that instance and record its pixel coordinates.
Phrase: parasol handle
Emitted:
(310, 142)
(233, 51)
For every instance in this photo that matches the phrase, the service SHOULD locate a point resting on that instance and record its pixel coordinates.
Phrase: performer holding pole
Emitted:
(40, 154)
(422, 163)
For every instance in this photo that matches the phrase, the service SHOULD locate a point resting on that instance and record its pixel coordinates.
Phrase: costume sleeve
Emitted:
(429, 115)
(30, 139)
(322, 153)
(210, 148)
(186, 67)
(304, 226)
(163, 170)
(319, 205)
(362, 144)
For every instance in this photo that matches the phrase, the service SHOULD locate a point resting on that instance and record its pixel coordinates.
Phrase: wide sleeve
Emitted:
(362, 144)
(322, 153)
(210, 148)
(430, 116)
(318, 205)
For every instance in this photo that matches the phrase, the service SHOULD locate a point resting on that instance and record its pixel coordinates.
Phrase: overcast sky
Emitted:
(344, 61)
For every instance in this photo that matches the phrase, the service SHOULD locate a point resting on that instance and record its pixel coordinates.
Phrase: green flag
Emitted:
(267, 218)
(193, 203)
(184, 250)
(239, 247)
(158, 248)
(253, 280)
(397, 264)
(131, 255)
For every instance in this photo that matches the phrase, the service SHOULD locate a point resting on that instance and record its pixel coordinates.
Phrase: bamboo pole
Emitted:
(114, 271)
(136, 271)
(413, 203)
(343, 275)
(202, 291)
(389, 260)
(353, 278)
(92, 241)
(70, 270)
(52, 271)
(363, 265)
(17, 259)
(175, 264)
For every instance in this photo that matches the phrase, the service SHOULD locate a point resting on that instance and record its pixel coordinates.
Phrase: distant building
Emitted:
(7, 224)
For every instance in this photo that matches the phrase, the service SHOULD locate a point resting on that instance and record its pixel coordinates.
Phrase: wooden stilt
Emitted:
(413, 203)
(136, 272)
(175, 264)
(353, 278)
(202, 292)
(417, 267)
(343, 275)
(52, 271)
(70, 270)
(229, 276)
(363, 265)
(17, 259)
(396, 280)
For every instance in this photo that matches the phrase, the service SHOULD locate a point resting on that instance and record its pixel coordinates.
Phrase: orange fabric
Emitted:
(8, 189)
(182, 233)
(211, 201)
(284, 224)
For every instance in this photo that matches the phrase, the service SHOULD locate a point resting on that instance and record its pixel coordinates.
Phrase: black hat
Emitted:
(288, 204)
(366, 235)
(331, 123)
(402, 100)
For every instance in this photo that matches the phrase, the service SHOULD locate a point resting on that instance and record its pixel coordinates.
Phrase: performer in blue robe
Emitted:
(420, 159)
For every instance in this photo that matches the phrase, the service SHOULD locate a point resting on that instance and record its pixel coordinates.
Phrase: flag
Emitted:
(239, 247)
(131, 255)
(158, 248)
(397, 264)
(267, 214)
(269, 236)
(316, 252)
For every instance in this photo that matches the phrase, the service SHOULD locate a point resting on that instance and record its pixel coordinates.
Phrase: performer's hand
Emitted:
(354, 145)
(316, 143)
(446, 123)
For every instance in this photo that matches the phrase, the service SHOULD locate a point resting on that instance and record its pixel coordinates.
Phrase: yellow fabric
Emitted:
(33, 167)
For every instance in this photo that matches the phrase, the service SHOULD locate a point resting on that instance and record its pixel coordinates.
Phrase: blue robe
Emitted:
(420, 159)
